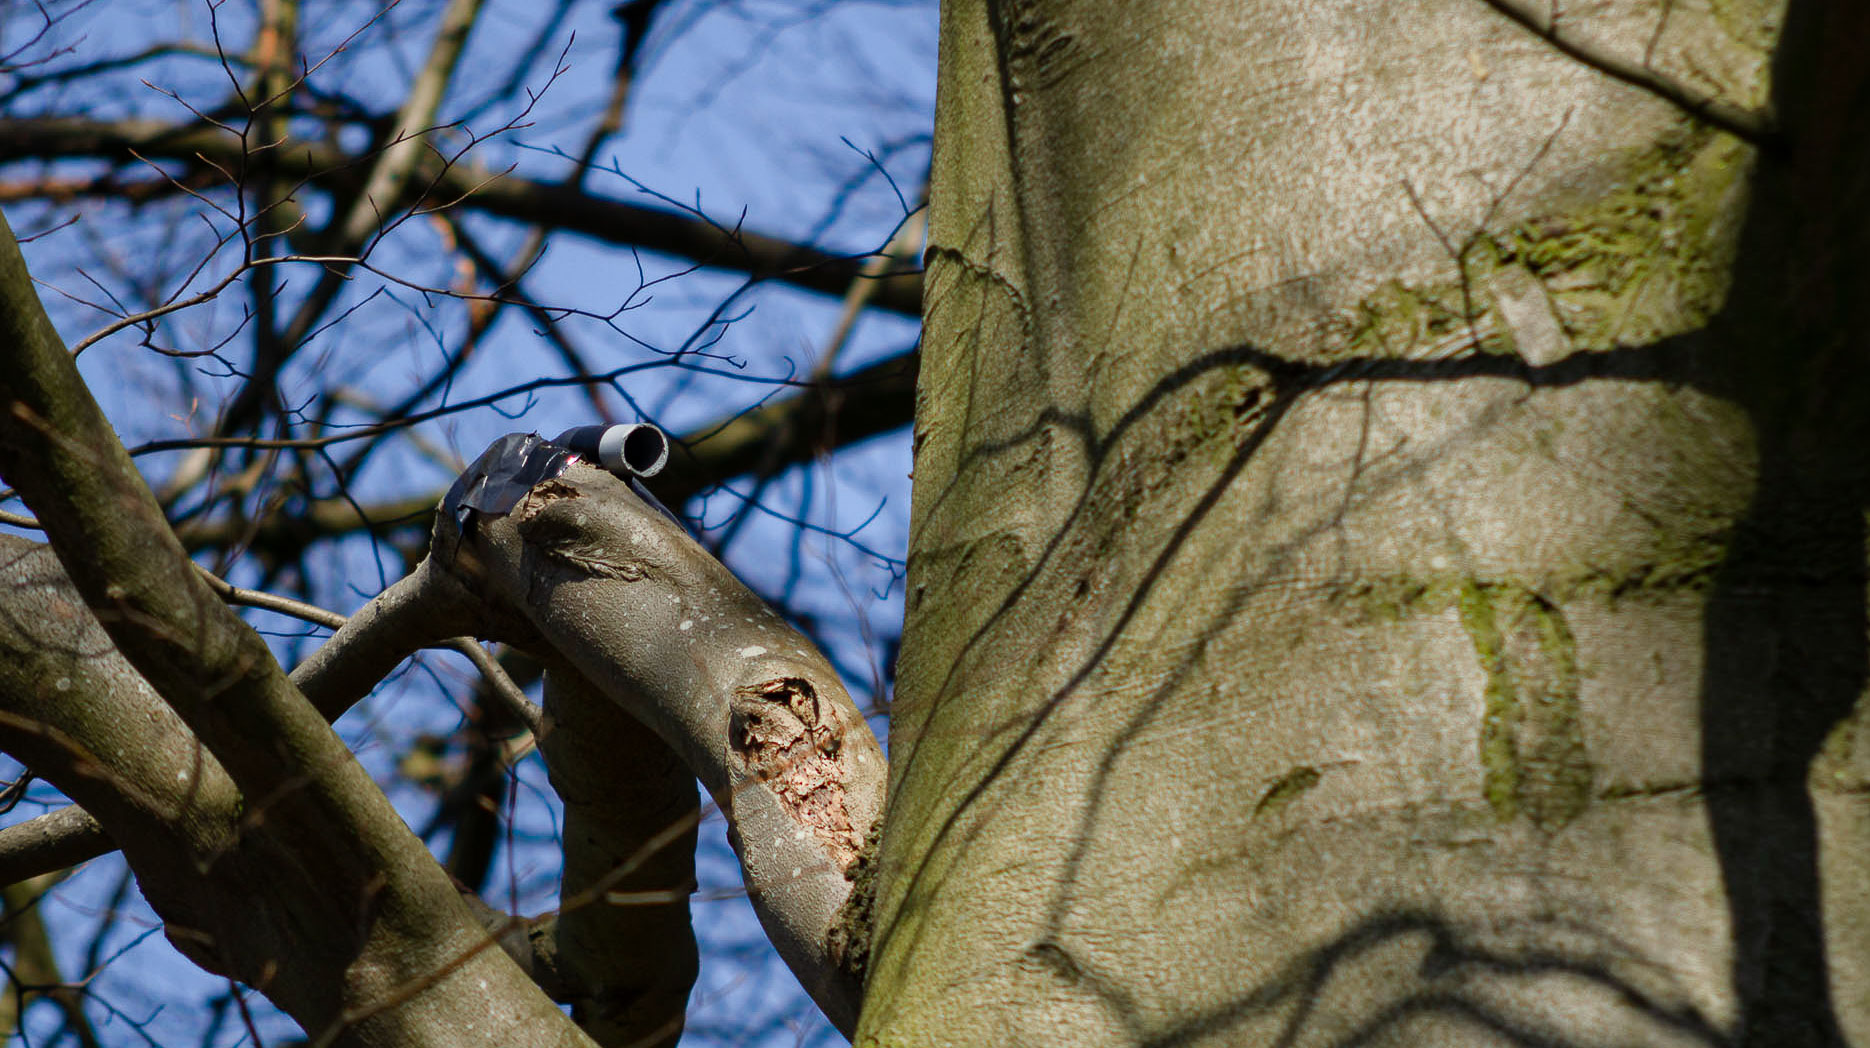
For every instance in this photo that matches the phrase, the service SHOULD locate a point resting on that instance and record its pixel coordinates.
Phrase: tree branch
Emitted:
(631, 813)
(866, 403)
(392, 170)
(35, 967)
(584, 570)
(394, 632)
(53, 841)
(393, 925)
(505, 196)
(844, 411)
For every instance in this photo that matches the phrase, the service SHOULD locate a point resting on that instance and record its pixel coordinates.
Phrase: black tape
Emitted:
(504, 473)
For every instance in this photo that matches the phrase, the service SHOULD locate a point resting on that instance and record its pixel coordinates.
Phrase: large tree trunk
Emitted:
(1388, 557)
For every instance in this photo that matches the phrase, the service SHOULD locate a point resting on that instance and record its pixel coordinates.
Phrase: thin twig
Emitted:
(509, 693)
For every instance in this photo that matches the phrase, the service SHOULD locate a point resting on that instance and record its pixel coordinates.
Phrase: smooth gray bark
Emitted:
(1387, 559)
(1388, 568)
(622, 937)
(242, 887)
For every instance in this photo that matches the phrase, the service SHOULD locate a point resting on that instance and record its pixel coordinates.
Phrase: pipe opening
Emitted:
(635, 449)
(645, 450)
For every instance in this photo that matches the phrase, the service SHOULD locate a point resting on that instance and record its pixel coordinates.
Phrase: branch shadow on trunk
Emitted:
(1784, 628)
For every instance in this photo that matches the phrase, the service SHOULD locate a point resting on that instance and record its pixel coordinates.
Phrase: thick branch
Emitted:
(62, 455)
(604, 581)
(419, 610)
(624, 947)
(350, 852)
(506, 196)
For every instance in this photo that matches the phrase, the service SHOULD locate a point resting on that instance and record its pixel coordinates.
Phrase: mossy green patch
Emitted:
(1752, 23)
(1684, 558)
(1650, 258)
(849, 938)
(1419, 321)
(1647, 259)
(1393, 598)
(1226, 402)
(1531, 743)
(1499, 705)
(1290, 787)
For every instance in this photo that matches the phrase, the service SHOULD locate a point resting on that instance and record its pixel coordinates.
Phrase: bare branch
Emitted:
(398, 162)
(502, 685)
(58, 839)
(818, 419)
(35, 968)
(505, 196)
(320, 806)
(868, 402)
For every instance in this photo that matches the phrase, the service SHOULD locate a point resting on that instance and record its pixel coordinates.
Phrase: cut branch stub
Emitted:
(616, 587)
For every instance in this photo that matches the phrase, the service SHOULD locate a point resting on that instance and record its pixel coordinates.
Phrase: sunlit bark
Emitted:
(1387, 561)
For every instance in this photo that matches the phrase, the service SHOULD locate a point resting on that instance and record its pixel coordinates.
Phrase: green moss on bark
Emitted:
(1290, 787)
(1531, 744)
(1531, 740)
(1648, 259)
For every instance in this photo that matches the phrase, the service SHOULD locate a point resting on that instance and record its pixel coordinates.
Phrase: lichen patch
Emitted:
(790, 741)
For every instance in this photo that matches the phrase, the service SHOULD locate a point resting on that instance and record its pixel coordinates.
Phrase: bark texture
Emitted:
(622, 936)
(1387, 562)
(586, 569)
(244, 889)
